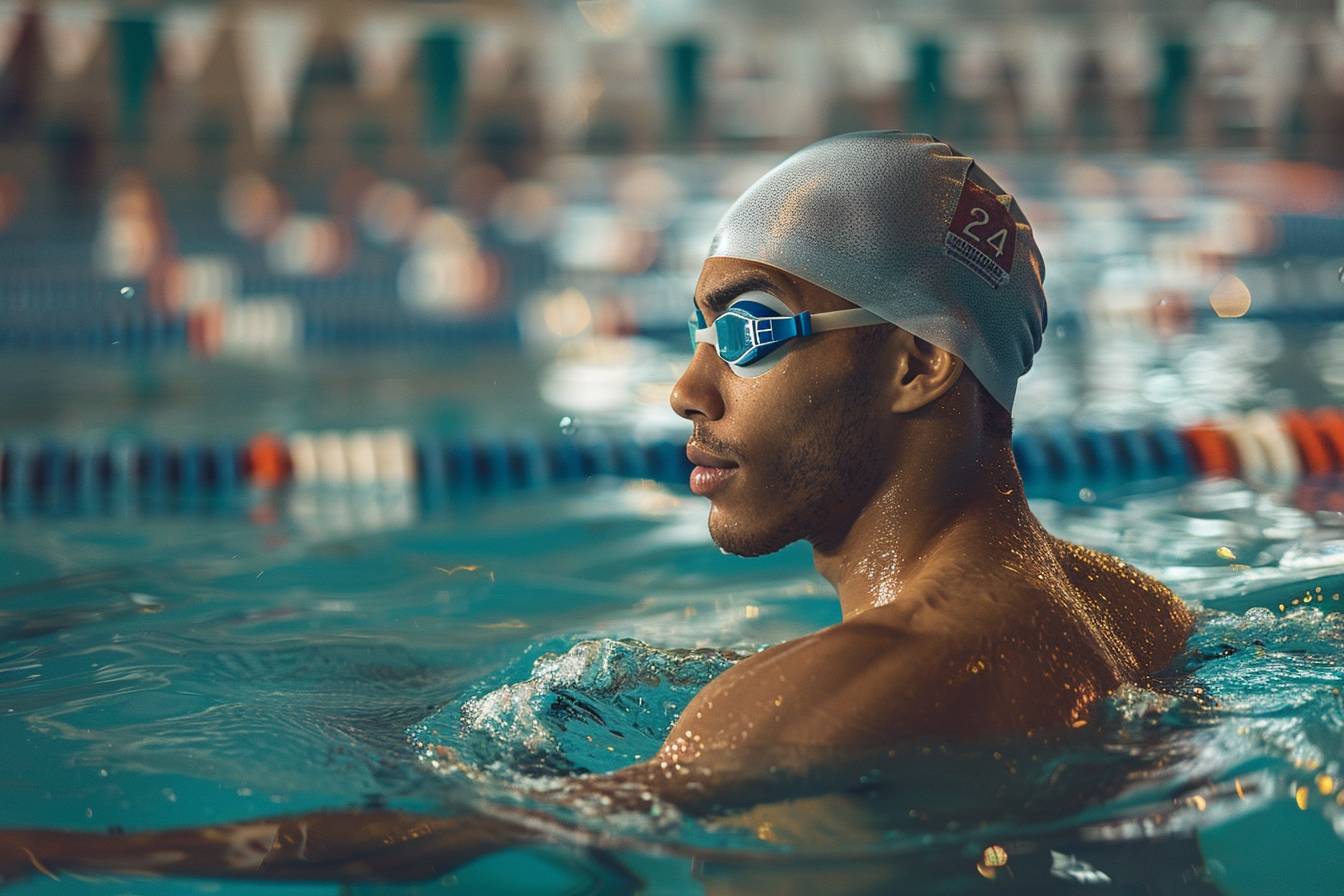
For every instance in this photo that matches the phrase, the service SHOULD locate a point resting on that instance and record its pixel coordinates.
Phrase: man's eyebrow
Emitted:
(718, 298)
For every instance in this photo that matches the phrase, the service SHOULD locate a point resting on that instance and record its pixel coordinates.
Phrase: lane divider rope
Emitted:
(1264, 447)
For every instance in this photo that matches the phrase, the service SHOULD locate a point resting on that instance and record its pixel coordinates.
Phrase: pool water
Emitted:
(166, 670)
(166, 675)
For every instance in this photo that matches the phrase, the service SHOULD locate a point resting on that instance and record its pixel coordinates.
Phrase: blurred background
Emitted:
(220, 220)
(336, 341)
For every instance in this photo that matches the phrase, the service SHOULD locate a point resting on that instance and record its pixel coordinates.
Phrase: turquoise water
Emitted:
(164, 674)
(277, 657)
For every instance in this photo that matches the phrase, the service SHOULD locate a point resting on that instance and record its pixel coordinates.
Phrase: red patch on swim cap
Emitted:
(982, 234)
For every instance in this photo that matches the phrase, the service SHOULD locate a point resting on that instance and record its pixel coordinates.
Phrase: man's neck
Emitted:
(916, 522)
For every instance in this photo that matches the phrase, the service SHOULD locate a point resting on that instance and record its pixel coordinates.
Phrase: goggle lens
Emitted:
(733, 331)
(696, 322)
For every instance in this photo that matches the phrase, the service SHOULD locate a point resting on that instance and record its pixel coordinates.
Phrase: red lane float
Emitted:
(268, 463)
(1311, 444)
(1211, 449)
(1330, 423)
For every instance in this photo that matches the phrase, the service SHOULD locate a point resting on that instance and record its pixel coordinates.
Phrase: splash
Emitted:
(598, 706)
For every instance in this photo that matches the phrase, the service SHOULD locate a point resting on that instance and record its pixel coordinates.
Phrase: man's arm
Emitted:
(789, 721)
(353, 845)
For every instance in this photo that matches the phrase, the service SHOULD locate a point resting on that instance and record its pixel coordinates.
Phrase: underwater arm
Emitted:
(337, 846)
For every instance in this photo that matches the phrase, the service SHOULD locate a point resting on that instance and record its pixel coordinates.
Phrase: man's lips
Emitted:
(711, 471)
(702, 458)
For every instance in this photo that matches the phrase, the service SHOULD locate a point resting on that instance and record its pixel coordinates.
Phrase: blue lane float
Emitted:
(1054, 459)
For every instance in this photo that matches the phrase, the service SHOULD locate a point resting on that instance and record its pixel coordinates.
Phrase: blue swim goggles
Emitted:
(749, 334)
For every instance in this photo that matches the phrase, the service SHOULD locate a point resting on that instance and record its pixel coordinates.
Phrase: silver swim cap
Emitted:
(910, 229)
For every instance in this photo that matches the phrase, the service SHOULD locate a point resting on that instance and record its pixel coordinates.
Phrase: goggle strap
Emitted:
(841, 320)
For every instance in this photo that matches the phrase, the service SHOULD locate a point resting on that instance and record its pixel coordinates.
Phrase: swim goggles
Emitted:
(750, 332)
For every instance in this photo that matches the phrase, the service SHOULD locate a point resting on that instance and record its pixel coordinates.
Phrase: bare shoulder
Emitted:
(1143, 613)
(797, 714)
(860, 683)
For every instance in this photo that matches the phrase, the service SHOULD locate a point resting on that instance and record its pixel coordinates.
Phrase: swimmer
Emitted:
(859, 328)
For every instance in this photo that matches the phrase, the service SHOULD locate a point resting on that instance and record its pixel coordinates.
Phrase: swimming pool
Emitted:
(168, 669)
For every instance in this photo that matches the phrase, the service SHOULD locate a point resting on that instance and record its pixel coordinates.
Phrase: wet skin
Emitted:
(875, 453)
(961, 616)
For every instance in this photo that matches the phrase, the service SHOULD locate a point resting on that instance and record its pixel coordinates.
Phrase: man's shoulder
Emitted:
(878, 641)
(865, 680)
(1136, 608)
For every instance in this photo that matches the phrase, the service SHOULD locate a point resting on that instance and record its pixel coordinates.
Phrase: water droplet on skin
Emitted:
(127, 292)
(568, 425)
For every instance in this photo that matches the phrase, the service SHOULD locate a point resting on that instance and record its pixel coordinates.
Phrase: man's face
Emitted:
(806, 437)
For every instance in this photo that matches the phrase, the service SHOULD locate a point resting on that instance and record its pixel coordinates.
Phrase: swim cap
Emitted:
(910, 229)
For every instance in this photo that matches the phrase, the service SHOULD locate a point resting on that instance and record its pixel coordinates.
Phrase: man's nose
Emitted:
(697, 391)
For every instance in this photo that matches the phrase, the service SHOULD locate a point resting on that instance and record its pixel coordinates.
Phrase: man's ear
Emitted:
(924, 372)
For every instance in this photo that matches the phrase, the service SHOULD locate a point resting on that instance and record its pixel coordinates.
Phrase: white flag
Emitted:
(382, 42)
(1047, 57)
(186, 36)
(273, 45)
(11, 20)
(70, 30)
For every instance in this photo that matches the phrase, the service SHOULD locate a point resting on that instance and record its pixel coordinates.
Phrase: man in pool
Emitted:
(860, 326)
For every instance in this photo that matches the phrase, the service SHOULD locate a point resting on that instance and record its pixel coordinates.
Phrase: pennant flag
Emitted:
(70, 30)
(490, 50)
(609, 18)
(273, 47)
(875, 56)
(11, 20)
(1128, 53)
(381, 43)
(976, 63)
(1330, 48)
(187, 36)
(1048, 57)
(563, 79)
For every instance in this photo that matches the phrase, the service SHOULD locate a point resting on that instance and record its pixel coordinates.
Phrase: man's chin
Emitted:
(735, 537)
